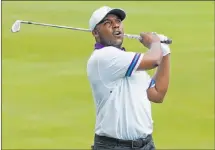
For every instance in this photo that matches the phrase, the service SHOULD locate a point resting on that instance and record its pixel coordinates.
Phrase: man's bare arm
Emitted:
(161, 78)
(153, 57)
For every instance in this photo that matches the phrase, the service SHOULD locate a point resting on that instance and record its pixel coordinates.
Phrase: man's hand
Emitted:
(165, 47)
(148, 38)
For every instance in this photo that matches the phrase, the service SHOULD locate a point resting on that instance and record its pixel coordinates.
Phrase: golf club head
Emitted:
(16, 26)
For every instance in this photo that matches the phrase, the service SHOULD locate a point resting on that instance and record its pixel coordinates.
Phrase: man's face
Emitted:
(110, 31)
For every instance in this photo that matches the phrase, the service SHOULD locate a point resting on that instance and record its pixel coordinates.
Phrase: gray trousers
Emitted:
(105, 143)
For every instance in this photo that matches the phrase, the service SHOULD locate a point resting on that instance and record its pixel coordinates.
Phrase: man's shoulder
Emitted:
(99, 56)
(107, 50)
(104, 52)
(112, 49)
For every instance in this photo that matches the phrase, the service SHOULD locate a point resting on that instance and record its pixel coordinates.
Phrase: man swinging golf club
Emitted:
(121, 87)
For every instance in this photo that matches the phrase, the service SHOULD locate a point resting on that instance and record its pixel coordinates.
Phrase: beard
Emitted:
(110, 42)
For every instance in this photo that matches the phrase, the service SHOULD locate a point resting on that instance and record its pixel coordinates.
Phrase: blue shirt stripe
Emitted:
(151, 83)
(132, 65)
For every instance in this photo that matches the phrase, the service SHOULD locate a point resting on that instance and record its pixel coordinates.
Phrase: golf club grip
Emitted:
(168, 41)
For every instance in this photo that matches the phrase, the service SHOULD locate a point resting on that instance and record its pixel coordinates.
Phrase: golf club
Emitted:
(17, 25)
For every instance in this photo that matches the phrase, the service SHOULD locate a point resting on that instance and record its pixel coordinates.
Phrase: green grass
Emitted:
(47, 101)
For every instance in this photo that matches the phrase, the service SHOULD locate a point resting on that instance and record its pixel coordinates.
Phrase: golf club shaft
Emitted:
(57, 26)
(131, 36)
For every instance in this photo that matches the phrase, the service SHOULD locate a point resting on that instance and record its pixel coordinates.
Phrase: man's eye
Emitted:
(118, 20)
(107, 23)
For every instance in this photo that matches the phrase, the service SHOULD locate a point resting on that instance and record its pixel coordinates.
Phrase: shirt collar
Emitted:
(98, 46)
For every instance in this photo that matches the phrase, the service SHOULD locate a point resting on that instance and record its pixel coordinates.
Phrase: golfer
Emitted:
(121, 88)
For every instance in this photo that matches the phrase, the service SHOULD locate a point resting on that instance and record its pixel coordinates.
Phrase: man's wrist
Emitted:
(154, 45)
(165, 49)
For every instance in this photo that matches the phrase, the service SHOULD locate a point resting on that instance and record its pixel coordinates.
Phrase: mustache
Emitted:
(117, 32)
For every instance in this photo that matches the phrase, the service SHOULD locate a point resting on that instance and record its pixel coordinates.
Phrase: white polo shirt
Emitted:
(123, 110)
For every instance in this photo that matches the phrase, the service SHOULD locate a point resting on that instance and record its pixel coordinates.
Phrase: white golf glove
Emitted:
(165, 47)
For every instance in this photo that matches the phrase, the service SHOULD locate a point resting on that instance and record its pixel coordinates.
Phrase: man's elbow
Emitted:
(160, 100)
(157, 100)
(156, 96)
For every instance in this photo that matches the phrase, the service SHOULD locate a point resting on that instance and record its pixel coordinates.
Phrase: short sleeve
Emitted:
(152, 83)
(115, 63)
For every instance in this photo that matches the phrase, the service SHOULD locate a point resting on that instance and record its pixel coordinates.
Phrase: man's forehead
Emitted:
(108, 17)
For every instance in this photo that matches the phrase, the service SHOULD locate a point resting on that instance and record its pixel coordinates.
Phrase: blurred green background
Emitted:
(46, 97)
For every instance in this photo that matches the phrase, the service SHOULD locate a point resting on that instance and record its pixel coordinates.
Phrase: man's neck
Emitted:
(99, 46)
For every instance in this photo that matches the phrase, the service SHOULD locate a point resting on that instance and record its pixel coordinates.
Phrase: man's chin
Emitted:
(118, 43)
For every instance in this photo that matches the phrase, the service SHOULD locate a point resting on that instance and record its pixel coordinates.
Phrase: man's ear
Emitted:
(95, 33)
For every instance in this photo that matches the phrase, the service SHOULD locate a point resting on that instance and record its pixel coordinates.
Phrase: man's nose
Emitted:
(116, 24)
